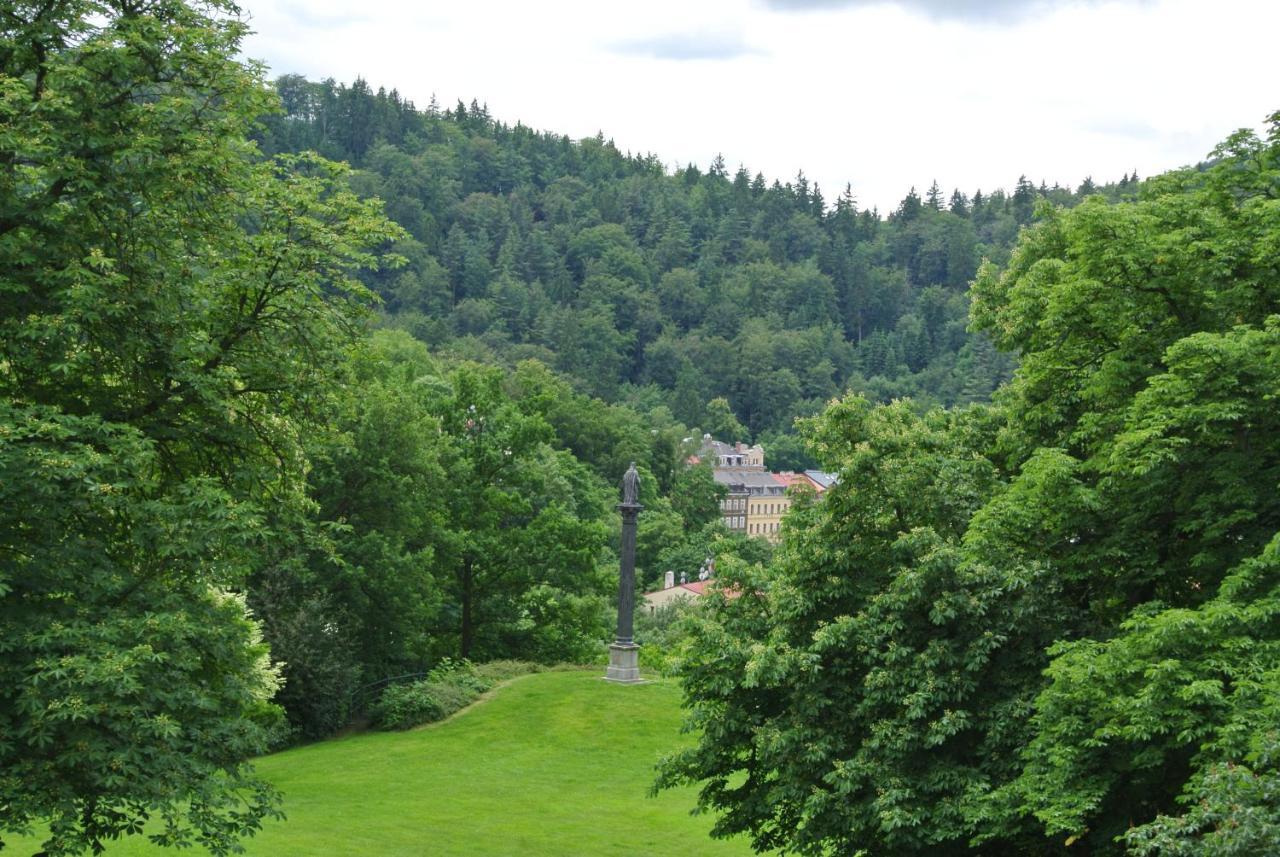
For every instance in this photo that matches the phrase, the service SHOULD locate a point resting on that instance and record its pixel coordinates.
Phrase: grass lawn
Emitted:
(553, 763)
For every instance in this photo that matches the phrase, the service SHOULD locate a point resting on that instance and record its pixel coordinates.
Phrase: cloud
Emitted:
(981, 11)
(1124, 127)
(1135, 131)
(689, 46)
(318, 18)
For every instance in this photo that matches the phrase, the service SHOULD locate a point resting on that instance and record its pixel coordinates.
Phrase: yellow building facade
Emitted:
(765, 511)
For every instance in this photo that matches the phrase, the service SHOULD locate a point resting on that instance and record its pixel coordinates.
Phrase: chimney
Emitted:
(669, 581)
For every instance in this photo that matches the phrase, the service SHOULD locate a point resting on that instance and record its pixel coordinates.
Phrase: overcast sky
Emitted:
(883, 94)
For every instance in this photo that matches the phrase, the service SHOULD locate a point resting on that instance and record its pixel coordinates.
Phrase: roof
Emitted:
(697, 587)
(716, 447)
(788, 478)
(742, 481)
(821, 479)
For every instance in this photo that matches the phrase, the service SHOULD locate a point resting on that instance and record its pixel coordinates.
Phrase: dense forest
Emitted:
(655, 288)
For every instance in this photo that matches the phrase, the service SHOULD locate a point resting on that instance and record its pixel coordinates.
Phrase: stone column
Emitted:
(624, 654)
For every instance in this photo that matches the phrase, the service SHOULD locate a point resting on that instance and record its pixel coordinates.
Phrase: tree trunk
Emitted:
(468, 596)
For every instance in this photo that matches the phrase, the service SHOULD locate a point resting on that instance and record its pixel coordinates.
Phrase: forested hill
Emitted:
(659, 288)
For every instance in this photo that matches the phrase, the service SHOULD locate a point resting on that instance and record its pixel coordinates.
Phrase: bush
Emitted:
(448, 688)
(498, 671)
(662, 634)
(310, 636)
(461, 674)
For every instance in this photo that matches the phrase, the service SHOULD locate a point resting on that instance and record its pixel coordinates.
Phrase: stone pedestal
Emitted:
(624, 664)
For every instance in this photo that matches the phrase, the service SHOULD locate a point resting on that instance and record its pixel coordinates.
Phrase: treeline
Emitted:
(1048, 625)
(665, 289)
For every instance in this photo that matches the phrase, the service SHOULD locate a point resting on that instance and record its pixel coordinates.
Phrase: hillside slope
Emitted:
(554, 763)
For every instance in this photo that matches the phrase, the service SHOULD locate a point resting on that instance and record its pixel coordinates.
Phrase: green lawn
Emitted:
(553, 763)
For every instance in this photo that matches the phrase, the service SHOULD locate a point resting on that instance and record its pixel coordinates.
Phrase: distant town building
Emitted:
(763, 497)
(738, 455)
(675, 592)
(791, 479)
(684, 590)
(765, 509)
(821, 481)
(756, 500)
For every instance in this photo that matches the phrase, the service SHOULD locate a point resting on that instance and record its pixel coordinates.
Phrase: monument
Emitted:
(624, 654)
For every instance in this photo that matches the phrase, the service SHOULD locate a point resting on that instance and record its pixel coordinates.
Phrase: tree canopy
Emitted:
(1046, 625)
(171, 310)
(684, 288)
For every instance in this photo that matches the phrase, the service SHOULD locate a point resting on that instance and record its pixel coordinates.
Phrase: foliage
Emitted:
(520, 516)
(734, 303)
(662, 633)
(1046, 626)
(349, 595)
(309, 637)
(1150, 361)
(406, 705)
(130, 676)
(865, 612)
(171, 311)
(448, 688)
(1232, 811)
(696, 496)
(449, 516)
(496, 672)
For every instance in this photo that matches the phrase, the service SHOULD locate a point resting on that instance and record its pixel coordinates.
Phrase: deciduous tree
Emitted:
(171, 310)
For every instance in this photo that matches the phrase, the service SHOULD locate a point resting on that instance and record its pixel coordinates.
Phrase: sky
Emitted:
(879, 94)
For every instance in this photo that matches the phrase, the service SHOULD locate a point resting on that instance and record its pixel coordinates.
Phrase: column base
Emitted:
(624, 664)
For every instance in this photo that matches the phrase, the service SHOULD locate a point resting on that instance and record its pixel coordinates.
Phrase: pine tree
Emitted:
(910, 207)
(933, 198)
(1024, 200)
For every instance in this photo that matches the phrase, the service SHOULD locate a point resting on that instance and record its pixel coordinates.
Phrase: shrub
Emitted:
(662, 634)
(448, 688)
(402, 706)
(498, 671)
(461, 674)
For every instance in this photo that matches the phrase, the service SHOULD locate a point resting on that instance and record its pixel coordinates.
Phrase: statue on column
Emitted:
(631, 486)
